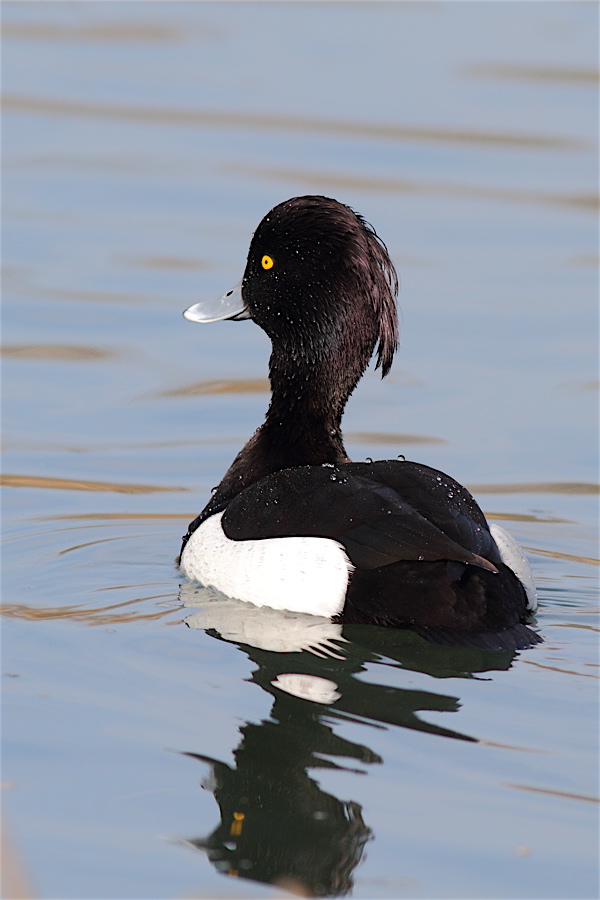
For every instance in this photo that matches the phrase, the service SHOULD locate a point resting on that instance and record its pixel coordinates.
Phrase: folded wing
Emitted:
(381, 513)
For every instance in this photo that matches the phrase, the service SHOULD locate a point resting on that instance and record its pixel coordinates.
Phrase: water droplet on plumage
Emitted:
(214, 490)
(333, 478)
(368, 459)
(450, 494)
(401, 457)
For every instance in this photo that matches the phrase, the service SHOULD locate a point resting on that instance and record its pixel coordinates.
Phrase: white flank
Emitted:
(278, 630)
(302, 574)
(513, 557)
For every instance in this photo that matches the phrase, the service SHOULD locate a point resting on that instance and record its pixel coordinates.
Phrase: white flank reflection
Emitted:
(308, 687)
(277, 630)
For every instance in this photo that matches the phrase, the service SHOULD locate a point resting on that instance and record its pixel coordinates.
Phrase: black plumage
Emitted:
(321, 284)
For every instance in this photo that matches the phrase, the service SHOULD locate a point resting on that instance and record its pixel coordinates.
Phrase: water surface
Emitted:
(155, 742)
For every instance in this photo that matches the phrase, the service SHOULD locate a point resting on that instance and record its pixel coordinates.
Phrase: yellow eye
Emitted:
(267, 262)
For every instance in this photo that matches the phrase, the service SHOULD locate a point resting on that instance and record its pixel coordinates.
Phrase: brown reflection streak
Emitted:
(382, 437)
(28, 444)
(72, 484)
(171, 262)
(512, 747)
(536, 73)
(120, 537)
(566, 794)
(16, 881)
(114, 516)
(92, 527)
(53, 351)
(225, 386)
(95, 296)
(528, 517)
(577, 625)
(572, 387)
(537, 487)
(587, 259)
(334, 180)
(571, 557)
(125, 587)
(280, 122)
(538, 665)
(96, 33)
(100, 615)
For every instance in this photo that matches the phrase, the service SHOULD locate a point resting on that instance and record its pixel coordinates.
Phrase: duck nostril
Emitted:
(229, 293)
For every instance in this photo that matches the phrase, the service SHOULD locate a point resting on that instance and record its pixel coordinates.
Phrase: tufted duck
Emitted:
(295, 524)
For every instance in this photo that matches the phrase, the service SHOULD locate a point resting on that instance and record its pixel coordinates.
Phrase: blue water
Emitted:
(142, 144)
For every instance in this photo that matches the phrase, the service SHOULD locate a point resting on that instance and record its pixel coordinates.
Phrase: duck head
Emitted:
(321, 284)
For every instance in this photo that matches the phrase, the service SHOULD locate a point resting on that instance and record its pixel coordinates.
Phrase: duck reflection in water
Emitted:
(277, 825)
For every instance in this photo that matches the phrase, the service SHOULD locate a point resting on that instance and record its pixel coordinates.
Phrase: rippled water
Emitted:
(142, 143)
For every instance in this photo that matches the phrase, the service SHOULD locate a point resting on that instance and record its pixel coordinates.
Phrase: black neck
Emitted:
(302, 426)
